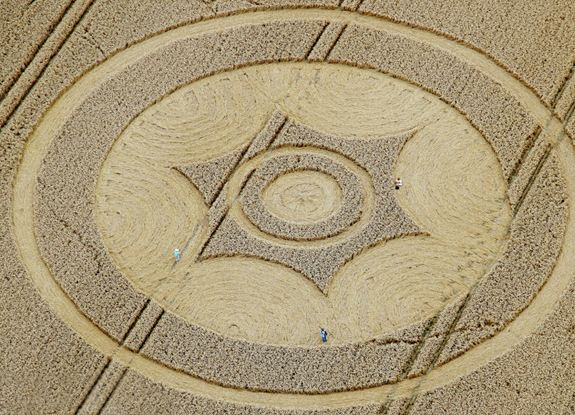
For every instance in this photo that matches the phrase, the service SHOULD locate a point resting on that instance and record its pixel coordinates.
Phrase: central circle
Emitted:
(303, 196)
(306, 161)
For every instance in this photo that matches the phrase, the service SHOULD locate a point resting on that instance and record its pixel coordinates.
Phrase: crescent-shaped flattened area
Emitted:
(55, 222)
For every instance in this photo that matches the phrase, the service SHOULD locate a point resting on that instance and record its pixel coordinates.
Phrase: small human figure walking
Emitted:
(177, 254)
(398, 183)
(323, 334)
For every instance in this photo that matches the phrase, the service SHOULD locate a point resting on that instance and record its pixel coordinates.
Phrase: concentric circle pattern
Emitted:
(351, 200)
(200, 205)
(303, 196)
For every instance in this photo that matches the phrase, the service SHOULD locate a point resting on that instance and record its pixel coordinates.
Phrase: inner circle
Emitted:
(350, 202)
(303, 196)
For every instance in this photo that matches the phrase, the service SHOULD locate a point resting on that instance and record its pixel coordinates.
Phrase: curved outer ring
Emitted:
(68, 311)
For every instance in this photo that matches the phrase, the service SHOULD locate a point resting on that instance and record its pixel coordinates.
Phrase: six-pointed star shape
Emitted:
(375, 218)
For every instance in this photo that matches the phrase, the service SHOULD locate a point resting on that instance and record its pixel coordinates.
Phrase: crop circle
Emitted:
(303, 196)
(349, 212)
(144, 207)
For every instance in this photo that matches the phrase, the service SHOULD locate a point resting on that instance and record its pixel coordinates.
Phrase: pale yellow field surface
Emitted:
(193, 190)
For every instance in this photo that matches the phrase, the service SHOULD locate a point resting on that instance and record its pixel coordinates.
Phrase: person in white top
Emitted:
(398, 183)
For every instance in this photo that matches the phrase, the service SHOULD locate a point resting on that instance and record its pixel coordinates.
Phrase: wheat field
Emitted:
(398, 174)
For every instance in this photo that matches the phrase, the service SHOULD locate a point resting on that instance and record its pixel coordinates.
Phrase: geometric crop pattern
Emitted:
(368, 212)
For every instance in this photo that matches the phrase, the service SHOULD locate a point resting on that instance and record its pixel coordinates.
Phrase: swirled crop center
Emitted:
(302, 196)
(453, 189)
(351, 202)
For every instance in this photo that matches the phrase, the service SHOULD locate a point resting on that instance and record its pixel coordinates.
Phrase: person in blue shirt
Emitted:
(323, 334)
